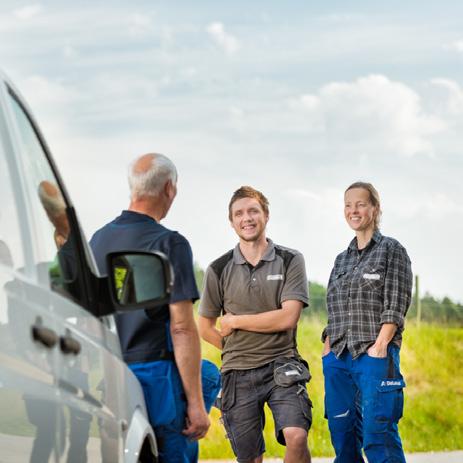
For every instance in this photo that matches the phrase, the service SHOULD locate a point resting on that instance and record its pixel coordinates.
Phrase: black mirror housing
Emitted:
(139, 279)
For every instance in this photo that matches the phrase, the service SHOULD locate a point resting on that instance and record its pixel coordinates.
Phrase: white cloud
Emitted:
(189, 72)
(236, 112)
(52, 103)
(439, 205)
(300, 193)
(341, 18)
(450, 98)
(27, 12)
(42, 92)
(226, 41)
(373, 111)
(69, 52)
(310, 102)
(139, 24)
(455, 46)
(434, 206)
(167, 34)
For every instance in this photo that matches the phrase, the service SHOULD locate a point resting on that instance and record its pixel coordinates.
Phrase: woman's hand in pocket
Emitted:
(326, 347)
(377, 351)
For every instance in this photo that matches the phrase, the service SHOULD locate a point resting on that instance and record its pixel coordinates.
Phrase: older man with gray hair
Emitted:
(160, 345)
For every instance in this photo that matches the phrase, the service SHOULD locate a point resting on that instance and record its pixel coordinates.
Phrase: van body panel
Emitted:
(64, 388)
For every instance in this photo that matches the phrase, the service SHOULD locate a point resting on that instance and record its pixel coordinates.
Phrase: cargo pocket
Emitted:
(225, 402)
(289, 371)
(229, 433)
(160, 400)
(306, 403)
(227, 396)
(389, 401)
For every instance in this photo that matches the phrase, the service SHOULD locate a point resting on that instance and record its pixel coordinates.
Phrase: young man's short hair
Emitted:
(248, 192)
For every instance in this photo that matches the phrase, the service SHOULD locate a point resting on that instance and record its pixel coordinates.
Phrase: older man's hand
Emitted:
(197, 422)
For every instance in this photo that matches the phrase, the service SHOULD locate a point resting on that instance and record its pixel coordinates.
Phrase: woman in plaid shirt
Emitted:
(368, 296)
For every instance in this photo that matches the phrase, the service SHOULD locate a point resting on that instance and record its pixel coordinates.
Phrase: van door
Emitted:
(87, 426)
(30, 407)
(92, 388)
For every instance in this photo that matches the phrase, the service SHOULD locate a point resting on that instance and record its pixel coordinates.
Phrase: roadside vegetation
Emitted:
(431, 362)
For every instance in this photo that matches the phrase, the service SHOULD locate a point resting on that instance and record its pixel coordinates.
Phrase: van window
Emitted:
(55, 255)
(11, 252)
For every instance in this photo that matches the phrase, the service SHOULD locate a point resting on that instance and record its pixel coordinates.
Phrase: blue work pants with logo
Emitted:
(166, 404)
(363, 404)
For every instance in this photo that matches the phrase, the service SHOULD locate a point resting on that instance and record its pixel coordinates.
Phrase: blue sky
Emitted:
(296, 98)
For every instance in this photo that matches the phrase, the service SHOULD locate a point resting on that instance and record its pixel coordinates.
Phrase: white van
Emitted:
(65, 393)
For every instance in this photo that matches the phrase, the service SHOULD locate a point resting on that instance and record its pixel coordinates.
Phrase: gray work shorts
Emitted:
(244, 393)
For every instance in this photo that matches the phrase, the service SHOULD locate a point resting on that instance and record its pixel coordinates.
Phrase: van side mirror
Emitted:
(139, 279)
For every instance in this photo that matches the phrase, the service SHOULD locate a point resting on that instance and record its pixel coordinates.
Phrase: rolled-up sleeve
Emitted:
(397, 286)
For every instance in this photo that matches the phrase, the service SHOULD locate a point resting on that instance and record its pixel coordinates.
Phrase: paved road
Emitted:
(14, 449)
(432, 457)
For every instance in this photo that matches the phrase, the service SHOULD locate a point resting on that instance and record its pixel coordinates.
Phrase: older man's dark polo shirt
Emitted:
(143, 333)
(233, 285)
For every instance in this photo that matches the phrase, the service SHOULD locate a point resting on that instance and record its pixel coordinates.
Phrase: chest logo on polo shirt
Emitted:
(277, 276)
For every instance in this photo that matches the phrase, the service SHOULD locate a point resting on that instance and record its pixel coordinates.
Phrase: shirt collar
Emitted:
(132, 216)
(269, 253)
(377, 237)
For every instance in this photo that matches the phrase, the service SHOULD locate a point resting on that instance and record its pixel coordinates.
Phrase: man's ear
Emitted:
(169, 189)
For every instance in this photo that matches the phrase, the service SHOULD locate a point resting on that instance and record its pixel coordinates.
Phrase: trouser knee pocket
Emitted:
(389, 400)
(387, 403)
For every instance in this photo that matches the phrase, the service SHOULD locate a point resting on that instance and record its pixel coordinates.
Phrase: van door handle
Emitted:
(45, 336)
(69, 345)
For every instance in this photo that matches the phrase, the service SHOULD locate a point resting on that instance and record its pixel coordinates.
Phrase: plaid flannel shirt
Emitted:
(365, 290)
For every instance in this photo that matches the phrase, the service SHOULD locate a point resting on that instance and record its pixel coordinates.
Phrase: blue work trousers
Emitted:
(363, 404)
(166, 404)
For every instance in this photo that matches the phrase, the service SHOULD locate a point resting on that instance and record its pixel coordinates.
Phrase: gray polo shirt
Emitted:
(233, 285)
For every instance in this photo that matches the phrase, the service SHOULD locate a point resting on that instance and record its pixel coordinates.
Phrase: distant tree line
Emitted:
(317, 302)
(442, 311)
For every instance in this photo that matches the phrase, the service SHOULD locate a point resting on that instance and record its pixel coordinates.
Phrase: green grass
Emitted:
(432, 364)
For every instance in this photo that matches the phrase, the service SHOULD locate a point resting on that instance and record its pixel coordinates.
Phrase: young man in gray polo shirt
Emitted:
(259, 290)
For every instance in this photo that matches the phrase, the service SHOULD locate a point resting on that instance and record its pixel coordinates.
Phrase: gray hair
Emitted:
(151, 181)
